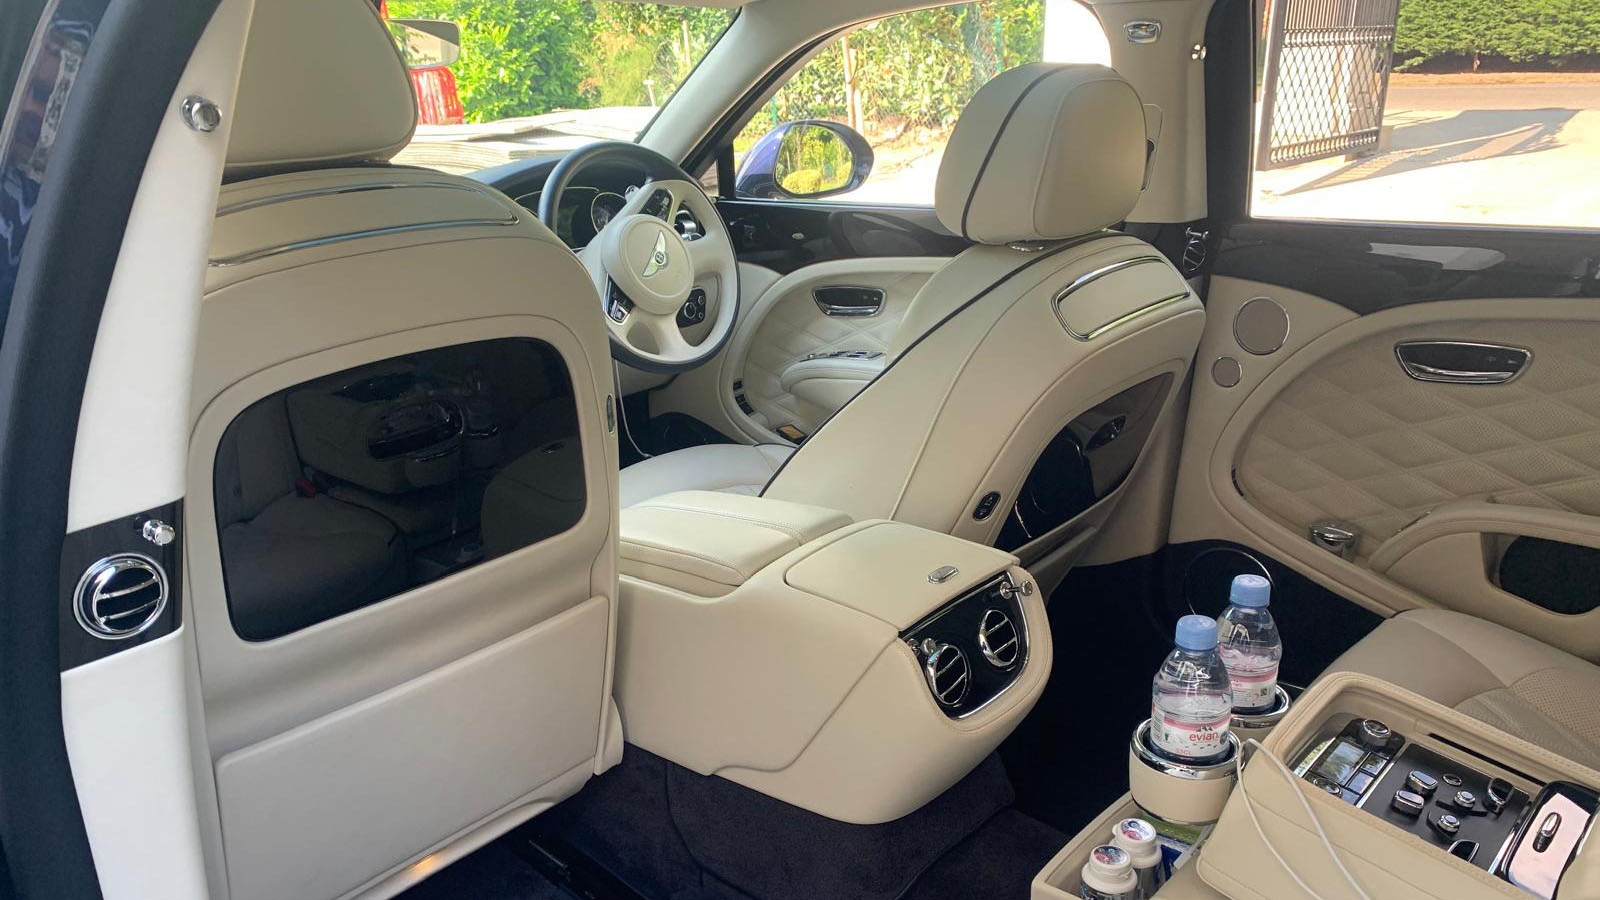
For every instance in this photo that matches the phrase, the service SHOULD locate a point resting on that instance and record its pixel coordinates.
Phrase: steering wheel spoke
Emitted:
(666, 335)
(649, 261)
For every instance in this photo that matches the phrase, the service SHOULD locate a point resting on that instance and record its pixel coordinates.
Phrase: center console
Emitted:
(1413, 799)
(854, 669)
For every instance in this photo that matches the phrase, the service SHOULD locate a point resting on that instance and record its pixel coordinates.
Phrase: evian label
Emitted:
(1253, 690)
(1187, 739)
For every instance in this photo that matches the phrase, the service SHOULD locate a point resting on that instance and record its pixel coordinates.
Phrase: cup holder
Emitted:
(1259, 725)
(1183, 793)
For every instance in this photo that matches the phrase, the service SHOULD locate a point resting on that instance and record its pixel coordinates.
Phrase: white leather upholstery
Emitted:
(734, 468)
(708, 543)
(1493, 674)
(322, 82)
(1042, 152)
(985, 367)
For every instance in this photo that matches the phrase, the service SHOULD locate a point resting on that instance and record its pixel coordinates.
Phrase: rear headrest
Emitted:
(1042, 152)
(322, 83)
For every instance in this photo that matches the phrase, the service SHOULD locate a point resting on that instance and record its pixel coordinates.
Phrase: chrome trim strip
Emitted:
(335, 190)
(1090, 277)
(263, 253)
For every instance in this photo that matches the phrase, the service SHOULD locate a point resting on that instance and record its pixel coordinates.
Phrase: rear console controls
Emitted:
(974, 648)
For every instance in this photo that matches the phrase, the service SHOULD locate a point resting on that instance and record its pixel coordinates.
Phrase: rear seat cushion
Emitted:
(1491, 673)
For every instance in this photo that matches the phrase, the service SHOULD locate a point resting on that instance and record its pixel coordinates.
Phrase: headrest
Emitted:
(1042, 152)
(322, 83)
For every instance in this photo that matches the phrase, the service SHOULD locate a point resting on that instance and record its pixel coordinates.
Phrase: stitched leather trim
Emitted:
(999, 133)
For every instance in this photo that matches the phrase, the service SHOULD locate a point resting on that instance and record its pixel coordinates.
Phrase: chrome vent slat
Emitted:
(999, 639)
(112, 611)
(948, 673)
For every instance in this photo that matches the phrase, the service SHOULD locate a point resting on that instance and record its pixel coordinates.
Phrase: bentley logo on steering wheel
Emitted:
(658, 257)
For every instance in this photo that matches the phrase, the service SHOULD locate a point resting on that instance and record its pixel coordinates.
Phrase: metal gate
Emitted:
(1327, 73)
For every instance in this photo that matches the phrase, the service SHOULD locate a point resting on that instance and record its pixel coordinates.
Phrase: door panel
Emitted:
(787, 324)
(1331, 428)
(786, 249)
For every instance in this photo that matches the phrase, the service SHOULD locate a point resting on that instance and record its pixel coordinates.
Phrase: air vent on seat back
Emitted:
(948, 673)
(120, 596)
(998, 639)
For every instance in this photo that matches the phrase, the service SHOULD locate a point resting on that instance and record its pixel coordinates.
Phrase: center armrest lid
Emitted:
(716, 537)
(886, 570)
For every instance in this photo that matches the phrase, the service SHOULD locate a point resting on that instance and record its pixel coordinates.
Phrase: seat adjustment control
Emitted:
(1445, 824)
(1407, 803)
(1422, 783)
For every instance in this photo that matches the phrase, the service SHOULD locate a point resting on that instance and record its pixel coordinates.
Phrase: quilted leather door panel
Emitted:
(1356, 439)
(1331, 427)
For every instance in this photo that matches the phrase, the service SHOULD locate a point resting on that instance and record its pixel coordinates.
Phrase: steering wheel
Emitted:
(653, 282)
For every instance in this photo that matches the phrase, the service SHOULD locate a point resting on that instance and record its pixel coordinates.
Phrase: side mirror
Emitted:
(805, 160)
(426, 43)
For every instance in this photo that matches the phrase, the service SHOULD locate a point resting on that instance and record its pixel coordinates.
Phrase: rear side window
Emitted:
(1429, 111)
(344, 491)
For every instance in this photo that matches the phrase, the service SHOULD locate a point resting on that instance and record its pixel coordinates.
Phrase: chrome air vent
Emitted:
(998, 639)
(949, 676)
(120, 596)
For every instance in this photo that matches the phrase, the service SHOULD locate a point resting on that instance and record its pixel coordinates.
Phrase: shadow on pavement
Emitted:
(1464, 137)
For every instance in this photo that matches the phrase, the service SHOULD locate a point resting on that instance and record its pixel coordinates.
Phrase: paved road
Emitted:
(1495, 96)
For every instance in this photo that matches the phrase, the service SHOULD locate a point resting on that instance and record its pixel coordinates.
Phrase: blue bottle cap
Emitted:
(1250, 590)
(1196, 633)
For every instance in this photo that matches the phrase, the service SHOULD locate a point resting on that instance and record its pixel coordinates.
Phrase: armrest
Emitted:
(1451, 556)
(708, 543)
(828, 382)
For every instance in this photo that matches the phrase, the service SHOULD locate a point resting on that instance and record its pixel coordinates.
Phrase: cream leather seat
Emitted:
(1047, 315)
(1504, 678)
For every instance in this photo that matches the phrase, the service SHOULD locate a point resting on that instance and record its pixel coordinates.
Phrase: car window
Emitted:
(1429, 111)
(537, 77)
(900, 83)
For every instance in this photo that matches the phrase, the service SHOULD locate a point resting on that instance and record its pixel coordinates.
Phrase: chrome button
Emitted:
(1547, 832)
(1422, 783)
(1374, 733)
(1407, 802)
(1446, 824)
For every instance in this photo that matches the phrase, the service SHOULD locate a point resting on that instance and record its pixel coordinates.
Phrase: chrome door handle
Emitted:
(1462, 362)
(846, 301)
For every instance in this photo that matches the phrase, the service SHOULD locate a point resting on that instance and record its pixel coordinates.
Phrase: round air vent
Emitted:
(998, 639)
(120, 596)
(949, 676)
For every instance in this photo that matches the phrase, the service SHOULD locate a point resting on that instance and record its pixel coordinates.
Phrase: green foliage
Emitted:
(526, 57)
(919, 67)
(1517, 30)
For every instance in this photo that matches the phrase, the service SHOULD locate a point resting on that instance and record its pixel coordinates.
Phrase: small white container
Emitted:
(1108, 875)
(1138, 838)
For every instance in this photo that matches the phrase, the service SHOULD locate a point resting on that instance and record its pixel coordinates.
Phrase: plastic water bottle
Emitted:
(1249, 644)
(1190, 702)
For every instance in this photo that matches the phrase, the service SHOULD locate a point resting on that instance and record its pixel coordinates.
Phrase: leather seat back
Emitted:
(422, 699)
(1047, 316)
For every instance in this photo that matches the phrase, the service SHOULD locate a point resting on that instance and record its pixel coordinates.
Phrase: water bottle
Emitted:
(1249, 645)
(1190, 702)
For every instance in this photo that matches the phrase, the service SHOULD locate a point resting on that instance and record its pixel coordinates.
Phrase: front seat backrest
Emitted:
(1047, 316)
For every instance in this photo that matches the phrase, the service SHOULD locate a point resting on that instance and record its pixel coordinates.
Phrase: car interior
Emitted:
(587, 526)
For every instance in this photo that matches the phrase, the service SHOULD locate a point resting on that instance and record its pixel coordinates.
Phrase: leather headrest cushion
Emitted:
(322, 83)
(1042, 152)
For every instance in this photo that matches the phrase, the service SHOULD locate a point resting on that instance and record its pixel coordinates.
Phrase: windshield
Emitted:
(537, 77)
